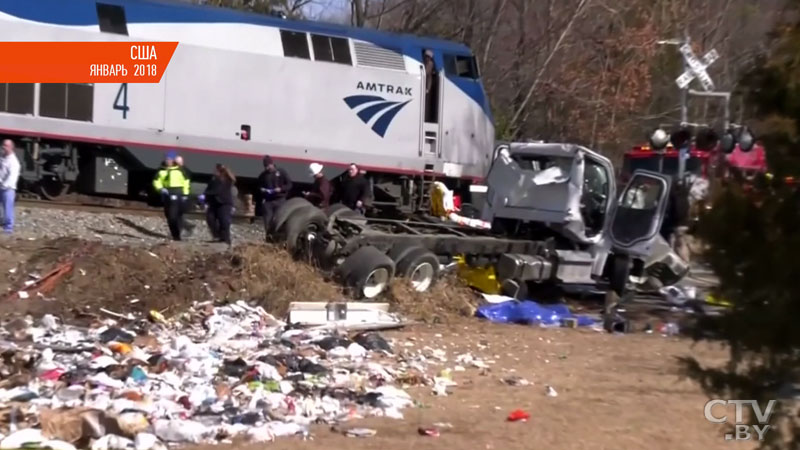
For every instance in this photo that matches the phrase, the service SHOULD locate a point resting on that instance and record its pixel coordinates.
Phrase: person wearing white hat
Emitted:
(320, 194)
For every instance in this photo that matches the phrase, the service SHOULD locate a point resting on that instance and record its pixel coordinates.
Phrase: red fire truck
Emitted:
(698, 164)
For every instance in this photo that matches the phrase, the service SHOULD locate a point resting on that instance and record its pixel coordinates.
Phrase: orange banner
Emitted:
(84, 62)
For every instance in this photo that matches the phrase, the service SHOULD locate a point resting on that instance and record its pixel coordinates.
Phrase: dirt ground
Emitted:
(614, 391)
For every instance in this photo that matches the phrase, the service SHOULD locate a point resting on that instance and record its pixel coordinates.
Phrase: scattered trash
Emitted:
(678, 295)
(551, 392)
(570, 322)
(433, 432)
(46, 283)
(669, 329)
(518, 415)
(360, 432)
(373, 341)
(210, 375)
(516, 381)
(350, 315)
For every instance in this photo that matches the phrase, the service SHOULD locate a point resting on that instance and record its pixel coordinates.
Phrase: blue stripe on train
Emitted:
(84, 13)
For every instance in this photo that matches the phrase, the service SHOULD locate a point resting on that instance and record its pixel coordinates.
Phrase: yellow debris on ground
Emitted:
(483, 279)
(717, 301)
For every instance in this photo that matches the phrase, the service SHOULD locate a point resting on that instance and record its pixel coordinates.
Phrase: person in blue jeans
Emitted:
(9, 175)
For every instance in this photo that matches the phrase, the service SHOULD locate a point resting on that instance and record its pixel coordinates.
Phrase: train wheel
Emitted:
(52, 187)
(303, 228)
(421, 267)
(368, 271)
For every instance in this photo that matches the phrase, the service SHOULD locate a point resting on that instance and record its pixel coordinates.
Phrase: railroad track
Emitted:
(95, 205)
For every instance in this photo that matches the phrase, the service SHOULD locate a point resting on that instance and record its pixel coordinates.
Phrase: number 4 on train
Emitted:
(122, 94)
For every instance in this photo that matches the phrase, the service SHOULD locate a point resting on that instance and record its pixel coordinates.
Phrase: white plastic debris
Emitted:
(361, 432)
(261, 434)
(180, 431)
(551, 392)
(19, 439)
(49, 322)
(58, 445)
(147, 441)
(113, 442)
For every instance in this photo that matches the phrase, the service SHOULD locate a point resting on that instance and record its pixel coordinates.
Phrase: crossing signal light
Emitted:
(706, 139)
(742, 136)
(681, 138)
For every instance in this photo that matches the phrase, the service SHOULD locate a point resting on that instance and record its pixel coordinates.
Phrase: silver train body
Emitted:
(240, 86)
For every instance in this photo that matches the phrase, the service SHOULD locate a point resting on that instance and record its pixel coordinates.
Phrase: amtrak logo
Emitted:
(374, 107)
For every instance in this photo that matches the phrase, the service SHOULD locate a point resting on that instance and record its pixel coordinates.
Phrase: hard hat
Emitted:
(315, 168)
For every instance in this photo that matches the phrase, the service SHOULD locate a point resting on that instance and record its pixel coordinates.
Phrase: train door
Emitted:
(431, 147)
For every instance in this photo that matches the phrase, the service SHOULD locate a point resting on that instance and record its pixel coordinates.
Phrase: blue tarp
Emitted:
(529, 312)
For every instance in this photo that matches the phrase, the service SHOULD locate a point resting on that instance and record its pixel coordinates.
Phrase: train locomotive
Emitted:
(240, 86)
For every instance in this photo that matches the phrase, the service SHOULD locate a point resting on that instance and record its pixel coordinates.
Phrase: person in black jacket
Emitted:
(355, 189)
(219, 198)
(274, 184)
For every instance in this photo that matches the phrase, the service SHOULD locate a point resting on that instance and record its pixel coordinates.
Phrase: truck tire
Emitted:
(368, 272)
(305, 223)
(421, 267)
(282, 215)
(398, 252)
(339, 210)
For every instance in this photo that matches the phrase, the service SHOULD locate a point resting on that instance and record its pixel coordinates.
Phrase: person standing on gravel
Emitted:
(173, 185)
(219, 198)
(9, 175)
(186, 202)
(274, 184)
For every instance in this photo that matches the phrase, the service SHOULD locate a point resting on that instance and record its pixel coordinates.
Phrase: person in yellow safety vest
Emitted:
(173, 184)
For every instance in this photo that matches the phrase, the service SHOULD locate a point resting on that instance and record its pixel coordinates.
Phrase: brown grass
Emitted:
(448, 298)
(169, 277)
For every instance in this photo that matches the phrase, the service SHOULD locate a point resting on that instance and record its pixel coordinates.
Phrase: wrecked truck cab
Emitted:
(571, 190)
(564, 186)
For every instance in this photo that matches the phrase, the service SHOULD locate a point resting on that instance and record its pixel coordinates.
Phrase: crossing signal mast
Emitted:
(707, 139)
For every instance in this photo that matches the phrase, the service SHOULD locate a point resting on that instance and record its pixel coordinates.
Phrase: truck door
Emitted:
(639, 213)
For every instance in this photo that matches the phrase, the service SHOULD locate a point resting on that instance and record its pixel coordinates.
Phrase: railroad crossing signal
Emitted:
(697, 68)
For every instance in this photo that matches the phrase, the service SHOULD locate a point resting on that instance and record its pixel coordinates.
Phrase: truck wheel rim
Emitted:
(376, 282)
(305, 241)
(422, 277)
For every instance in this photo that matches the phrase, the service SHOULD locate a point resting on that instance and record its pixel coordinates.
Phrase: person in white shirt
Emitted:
(9, 175)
